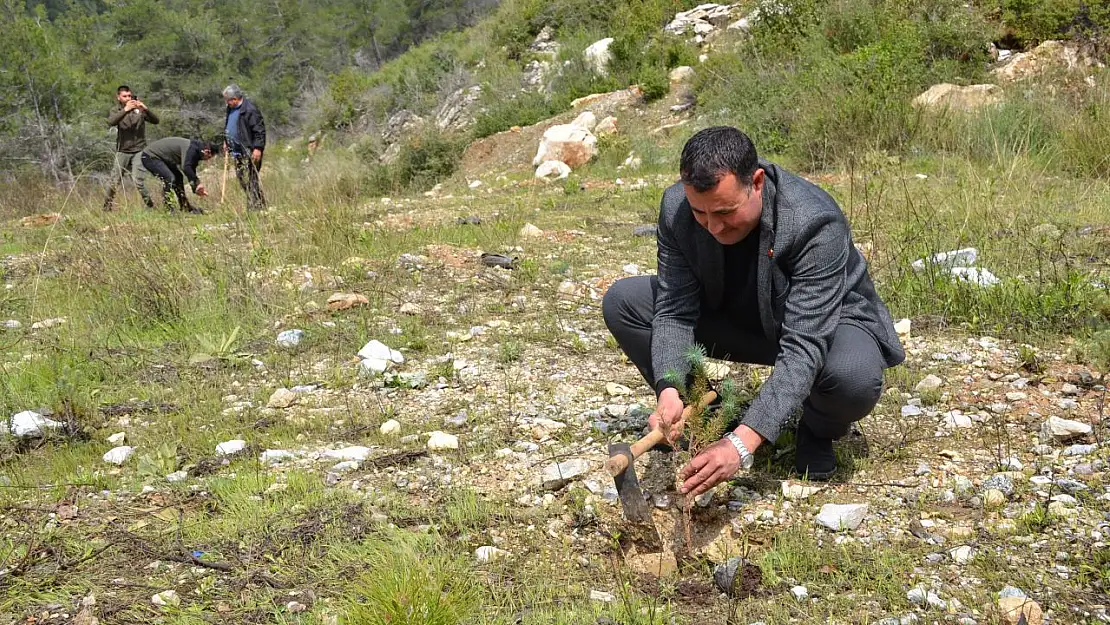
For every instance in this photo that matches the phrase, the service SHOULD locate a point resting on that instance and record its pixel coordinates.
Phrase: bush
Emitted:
(1034, 21)
(423, 161)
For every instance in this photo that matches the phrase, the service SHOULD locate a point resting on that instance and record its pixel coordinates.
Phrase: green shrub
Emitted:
(423, 160)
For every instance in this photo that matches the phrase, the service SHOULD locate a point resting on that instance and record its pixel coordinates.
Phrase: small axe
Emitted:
(622, 456)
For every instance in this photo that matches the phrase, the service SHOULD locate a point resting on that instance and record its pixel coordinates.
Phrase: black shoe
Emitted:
(814, 456)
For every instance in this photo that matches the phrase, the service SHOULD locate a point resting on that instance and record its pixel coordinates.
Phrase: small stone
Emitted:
(117, 438)
(296, 607)
(442, 441)
(528, 231)
(1068, 404)
(346, 466)
(724, 575)
(795, 491)
(902, 327)
(555, 476)
(1079, 450)
(489, 553)
(994, 498)
(604, 597)
(348, 453)
(1011, 464)
(957, 420)
(166, 598)
(281, 398)
(118, 455)
(177, 476)
(842, 516)
(1017, 610)
(1063, 429)
(922, 469)
(929, 383)
(961, 554)
(30, 424)
(1011, 591)
(376, 350)
(1016, 396)
(290, 338)
(458, 420)
(12, 324)
(801, 593)
(230, 447)
(411, 308)
(617, 390)
(962, 485)
(1070, 389)
(274, 456)
(390, 428)
(703, 500)
(911, 411)
(999, 482)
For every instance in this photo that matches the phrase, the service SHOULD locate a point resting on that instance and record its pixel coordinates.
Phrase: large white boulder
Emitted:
(568, 143)
(598, 56)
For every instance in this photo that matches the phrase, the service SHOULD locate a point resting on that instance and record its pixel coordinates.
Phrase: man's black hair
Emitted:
(120, 89)
(714, 152)
(215, 147)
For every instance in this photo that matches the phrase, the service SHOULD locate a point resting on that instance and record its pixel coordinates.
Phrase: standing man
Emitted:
(757, 265)
(246, 139)
(130, 119)
(175, 159)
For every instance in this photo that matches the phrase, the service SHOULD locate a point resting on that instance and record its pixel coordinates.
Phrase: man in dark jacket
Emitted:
(175, 159)
(130, 119)
(756, 265)
(246, 139)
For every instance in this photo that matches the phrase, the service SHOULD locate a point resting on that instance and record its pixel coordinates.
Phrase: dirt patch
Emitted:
(137, 407)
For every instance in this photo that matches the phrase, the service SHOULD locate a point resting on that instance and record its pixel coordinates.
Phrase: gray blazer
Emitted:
(810, 279)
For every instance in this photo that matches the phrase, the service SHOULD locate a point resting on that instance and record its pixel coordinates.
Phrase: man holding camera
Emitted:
(129, 119)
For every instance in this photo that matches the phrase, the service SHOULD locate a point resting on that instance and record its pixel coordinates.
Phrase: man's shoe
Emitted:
(814, 456)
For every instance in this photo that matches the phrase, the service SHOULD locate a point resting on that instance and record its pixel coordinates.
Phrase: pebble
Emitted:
(1069, 389)
(177, 476)
(290, 338)
(994, 498)
(489, 553)
(296, 607)
(274, 456)
(442, 441)
(1063, 429)
(555, 476)
(281, 398)
(390, 427)
(961, 554)
(228, 448)
(605, 597)
(166, 598)
(118, 455)
(999, 482)
(1079, 450)
(929, 383)
(842, 516)
(801, 593)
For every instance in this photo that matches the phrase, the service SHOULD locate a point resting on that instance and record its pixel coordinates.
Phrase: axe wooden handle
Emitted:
(618, 464)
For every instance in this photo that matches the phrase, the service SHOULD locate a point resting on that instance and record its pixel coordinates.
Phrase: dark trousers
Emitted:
(246, 171)
(845, 390)
(172, 180)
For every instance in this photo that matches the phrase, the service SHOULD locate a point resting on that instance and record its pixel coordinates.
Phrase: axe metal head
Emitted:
(635, 506)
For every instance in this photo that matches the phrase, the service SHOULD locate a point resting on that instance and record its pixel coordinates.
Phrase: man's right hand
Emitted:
(130, 106)
(668, 414)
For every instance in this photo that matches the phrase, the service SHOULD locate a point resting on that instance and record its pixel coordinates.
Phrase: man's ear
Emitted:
(758, 177)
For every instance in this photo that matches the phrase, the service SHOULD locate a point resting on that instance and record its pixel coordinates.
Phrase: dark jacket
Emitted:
(179, 154)
(252, 128)
(810, 279)
(131, 128)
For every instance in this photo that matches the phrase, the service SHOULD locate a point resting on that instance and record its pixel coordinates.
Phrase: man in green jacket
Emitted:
(130, 119)
(175, 159)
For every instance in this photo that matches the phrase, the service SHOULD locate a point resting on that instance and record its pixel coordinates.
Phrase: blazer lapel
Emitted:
(767, 257)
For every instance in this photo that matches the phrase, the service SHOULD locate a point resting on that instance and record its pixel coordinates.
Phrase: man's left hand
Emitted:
(256, 155)
(713, 465)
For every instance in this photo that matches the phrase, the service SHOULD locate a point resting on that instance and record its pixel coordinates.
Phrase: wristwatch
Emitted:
(746, 457)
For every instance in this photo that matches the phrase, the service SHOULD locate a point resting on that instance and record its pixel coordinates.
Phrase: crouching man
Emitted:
(756, 265)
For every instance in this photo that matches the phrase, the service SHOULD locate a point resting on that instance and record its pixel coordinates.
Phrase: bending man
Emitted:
(174, 160)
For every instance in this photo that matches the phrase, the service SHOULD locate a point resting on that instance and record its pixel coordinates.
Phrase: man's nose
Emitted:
(715, 225)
